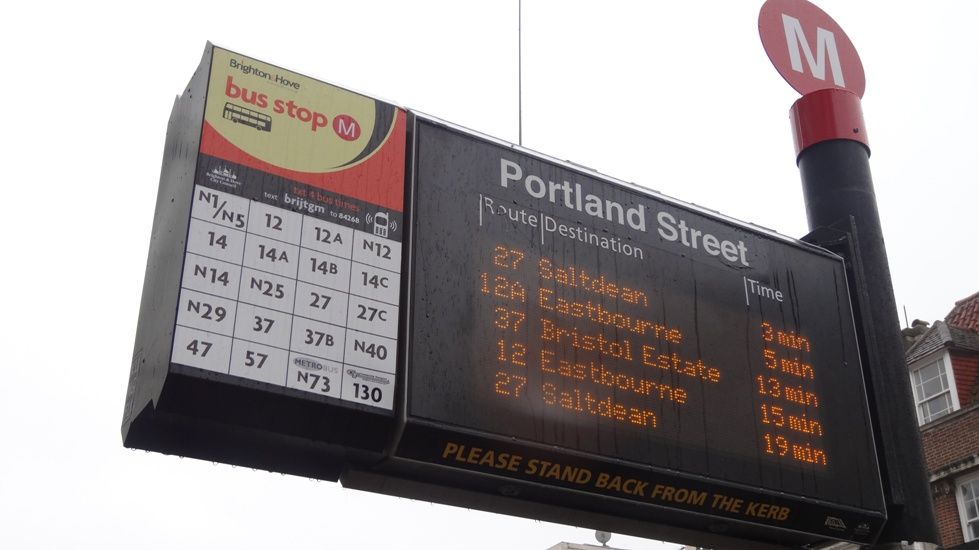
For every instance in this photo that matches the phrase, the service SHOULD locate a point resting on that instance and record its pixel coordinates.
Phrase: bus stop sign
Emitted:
(808, 48)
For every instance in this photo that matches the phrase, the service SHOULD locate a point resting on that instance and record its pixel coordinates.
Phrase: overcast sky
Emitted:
(676, 96)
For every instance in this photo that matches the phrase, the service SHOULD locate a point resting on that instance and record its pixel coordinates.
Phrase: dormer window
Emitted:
(934, 388)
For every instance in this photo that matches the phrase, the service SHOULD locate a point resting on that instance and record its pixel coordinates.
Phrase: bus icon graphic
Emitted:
(248, 117)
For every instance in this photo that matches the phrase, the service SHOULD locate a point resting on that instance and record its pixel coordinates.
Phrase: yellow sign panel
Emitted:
(284, 118)
(288, 125)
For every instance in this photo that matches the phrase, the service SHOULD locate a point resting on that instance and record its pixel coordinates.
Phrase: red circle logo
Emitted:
(346, 127)
(808, 48)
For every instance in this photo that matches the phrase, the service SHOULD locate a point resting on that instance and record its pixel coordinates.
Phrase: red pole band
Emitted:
(827, 114)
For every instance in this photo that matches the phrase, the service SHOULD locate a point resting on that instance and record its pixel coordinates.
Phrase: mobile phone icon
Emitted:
(381, 224)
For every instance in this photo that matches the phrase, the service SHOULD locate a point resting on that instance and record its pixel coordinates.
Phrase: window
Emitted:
(934, 393)
(967, 494)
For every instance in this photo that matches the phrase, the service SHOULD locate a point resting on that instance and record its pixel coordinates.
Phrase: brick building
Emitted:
(943, 362)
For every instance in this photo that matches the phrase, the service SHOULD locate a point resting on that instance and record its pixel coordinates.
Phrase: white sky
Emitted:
(677, 96)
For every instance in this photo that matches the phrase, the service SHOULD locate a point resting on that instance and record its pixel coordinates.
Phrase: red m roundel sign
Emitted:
(808, 48)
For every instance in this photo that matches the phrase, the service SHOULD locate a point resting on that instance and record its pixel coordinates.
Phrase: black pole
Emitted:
(833, 159)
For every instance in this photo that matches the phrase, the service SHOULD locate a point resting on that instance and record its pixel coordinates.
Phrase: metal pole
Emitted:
(520, 72)
(833, 159)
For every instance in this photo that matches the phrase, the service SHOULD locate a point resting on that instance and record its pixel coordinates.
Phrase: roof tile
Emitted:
(965, 314)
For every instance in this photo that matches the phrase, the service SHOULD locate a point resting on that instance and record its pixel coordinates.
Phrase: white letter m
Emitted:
(825, 42)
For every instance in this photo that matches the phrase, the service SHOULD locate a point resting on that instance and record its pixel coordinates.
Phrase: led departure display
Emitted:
(570, 330)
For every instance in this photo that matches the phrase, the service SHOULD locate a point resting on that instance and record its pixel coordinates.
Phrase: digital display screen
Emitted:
(559, 308)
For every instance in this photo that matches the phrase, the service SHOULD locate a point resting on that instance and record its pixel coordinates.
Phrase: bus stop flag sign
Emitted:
(808, 48)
